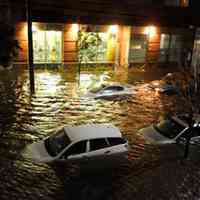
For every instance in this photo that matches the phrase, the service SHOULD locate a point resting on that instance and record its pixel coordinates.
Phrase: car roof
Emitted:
(91, 131)
(114, 86)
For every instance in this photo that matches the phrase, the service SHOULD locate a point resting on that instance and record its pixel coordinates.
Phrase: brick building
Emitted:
(130, 32)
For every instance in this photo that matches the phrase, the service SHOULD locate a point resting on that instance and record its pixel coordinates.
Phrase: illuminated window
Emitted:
(150, 31)
(47, 43)
(164, 41)
(96, 43)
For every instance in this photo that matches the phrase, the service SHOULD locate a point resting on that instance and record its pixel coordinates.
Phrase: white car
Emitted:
(171, 130)
(112, 91)
(83, 143)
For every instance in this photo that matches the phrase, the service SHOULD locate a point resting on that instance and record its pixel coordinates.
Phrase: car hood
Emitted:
(39, 153)
(110, 93)
(103, 94)
(154, 137)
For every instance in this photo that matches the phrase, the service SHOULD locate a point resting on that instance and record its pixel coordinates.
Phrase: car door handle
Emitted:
(107, 152)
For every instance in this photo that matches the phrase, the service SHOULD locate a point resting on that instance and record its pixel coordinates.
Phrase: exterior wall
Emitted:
(152, 35)
(22, 37)
(70, 40)
(124, 42)
(153, 49)
(119, 49)
(69, 44)
(179, 39)
(70, 37)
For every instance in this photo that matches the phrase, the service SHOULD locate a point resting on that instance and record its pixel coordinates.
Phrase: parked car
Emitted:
(81, 144)
(171, 130)
(112, 91)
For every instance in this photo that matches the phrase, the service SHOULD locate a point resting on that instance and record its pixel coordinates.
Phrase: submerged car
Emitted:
(164, 88)
(171, 130)
(111, 91)
(168, 89)
(83, 143)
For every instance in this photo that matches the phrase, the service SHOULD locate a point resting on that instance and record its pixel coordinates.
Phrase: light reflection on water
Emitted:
(48, 82)
(59, 100)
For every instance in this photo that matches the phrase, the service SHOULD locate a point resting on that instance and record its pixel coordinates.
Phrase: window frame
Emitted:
(168, 50)
(89, 150)
(122, 139)
(66, 150)
(140, 40)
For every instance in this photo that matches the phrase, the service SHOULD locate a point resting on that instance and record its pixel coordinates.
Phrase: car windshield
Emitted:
(57, 142)
(169, 128)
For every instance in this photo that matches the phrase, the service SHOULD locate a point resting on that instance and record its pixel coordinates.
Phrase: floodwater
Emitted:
(60, 99)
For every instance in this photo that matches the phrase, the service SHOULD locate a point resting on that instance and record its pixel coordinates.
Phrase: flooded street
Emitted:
(60, 98)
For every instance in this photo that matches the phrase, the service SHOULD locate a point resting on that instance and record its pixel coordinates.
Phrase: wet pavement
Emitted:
(151, 172)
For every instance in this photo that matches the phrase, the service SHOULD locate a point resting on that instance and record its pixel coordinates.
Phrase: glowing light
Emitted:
(113, 29)
(185, 3)
(151, 31)
(25, 29)
(34, 27)
(48, 84)
(75, 28)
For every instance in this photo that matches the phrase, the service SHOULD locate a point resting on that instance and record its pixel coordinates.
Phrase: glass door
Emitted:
(39, 46)
(53, 46)
(47, 46)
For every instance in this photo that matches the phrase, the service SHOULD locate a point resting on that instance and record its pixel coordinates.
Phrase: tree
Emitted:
(88, 43)
(9, 45)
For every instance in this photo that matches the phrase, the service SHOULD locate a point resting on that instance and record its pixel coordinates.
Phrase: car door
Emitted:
(76, 153)
(98, 149)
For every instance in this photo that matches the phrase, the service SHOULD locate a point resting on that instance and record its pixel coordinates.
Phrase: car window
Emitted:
(77, 148)
(114, 88)
(57, 142)
(194, 133)
(169, 128)
(116, 141)
(97, 144)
